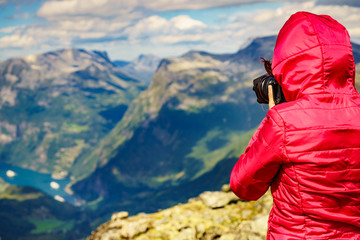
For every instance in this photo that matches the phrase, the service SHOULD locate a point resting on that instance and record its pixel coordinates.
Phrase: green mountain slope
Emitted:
(195, 114)
(55, 107)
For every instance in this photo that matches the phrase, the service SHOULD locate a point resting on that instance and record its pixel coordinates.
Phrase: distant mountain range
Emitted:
(125, 142)
(55, 107)
(142, 68)
(181, 135)
(194, 117)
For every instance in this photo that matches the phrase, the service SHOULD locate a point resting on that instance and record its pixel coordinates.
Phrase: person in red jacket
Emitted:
(308, 148)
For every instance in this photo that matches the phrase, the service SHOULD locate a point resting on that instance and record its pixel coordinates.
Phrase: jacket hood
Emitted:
(313, 55)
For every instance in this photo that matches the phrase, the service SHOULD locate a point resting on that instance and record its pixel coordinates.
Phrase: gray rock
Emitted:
(254, 229)
(187, 234)
(132, 229)
(218, 199)
(119, 215)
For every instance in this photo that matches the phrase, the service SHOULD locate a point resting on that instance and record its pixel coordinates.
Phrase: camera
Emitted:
(260, 87)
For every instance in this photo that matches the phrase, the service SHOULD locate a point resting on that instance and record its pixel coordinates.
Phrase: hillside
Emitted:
(126, 146)
(196, 115)
(211, 215)
(55, 107)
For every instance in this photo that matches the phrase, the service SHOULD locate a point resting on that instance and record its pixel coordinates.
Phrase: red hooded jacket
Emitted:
(308, 149)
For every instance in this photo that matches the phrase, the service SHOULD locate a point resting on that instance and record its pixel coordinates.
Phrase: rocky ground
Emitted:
(212, 215)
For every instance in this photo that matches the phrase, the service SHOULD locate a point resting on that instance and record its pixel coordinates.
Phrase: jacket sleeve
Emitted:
(257, 167)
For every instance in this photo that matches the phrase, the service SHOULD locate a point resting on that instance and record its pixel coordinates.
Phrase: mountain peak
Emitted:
(141, 68)
(255, 49)
(36, 68)
(192, 54)
(147, 60)
(68, 55)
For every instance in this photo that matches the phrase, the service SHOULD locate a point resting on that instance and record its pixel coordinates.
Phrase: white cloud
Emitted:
(17, 41)
(168, 5)
(9, 29)
(124, 19)
(18, 2)
(79, 24)
(147, 26)
(106, 8)
(172, 39)
(354, 3)
(66, 8)
(91, 23)
(155, 28)
(270, 21)
(184, 22)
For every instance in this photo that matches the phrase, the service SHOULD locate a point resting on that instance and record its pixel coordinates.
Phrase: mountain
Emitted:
(55, 108)
(121, 63)
(142, 68)
(211, 215)
(125, 145)
(196, 116)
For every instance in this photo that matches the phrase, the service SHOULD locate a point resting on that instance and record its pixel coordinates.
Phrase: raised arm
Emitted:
(257, 167)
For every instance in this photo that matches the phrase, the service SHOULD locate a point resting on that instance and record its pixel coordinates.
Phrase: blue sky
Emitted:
(128, 28)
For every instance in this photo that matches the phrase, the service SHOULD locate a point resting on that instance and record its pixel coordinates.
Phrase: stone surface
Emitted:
(119, 215)
(212, 215)
(218, 199)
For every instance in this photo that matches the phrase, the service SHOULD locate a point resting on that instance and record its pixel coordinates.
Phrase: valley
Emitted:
(113, 142)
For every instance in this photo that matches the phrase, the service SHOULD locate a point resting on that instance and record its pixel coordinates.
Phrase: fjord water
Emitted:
(40, 181)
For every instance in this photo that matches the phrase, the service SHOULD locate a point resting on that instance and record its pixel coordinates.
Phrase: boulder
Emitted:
(212, 215)
(218, 199)
(119, 215)
(134, 228)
